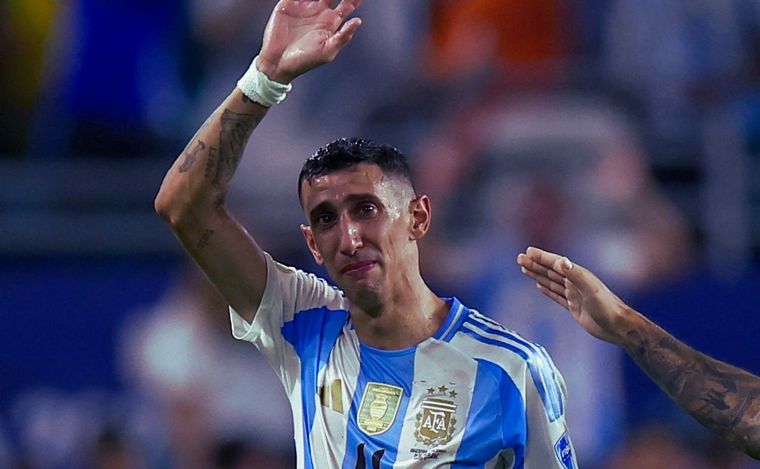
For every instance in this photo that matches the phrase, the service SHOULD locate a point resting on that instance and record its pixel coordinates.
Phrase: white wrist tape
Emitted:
(260, 88)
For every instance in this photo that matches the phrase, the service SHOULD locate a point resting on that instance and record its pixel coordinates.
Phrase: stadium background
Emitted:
(625, 133)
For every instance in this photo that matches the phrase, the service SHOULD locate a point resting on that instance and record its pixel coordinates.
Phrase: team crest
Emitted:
(436, 422)
(379, 407)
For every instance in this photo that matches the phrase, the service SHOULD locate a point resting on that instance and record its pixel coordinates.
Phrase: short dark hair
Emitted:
(346, 152)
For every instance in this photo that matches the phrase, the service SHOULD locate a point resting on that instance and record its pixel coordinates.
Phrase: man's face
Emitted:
(363, 228)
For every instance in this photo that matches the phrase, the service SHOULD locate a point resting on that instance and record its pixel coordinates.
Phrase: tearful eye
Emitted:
(325, 219)
(368, 209)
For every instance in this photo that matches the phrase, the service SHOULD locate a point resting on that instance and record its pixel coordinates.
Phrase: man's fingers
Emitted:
(346, 7)
(555, 286)
(528, 263)
(559, 299)
(550, 260)
(582, 278)
(342, 37)
(572, 292)
(544, 258)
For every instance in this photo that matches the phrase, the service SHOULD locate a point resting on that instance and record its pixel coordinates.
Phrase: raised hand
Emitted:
(303, 34)
(579, 291)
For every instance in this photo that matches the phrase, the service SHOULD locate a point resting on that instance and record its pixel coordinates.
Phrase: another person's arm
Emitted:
(721, 397)
(300, 35)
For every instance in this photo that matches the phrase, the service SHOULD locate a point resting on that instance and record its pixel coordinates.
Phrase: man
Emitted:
(383, 373)
(721, 397)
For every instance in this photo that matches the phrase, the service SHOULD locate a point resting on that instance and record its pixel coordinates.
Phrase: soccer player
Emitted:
(721, 397)
(383, 372)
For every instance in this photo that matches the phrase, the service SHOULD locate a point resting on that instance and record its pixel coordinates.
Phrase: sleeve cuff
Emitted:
(249, 331)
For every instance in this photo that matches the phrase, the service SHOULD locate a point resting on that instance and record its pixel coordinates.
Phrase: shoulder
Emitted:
(487, 336)
(483, 338)
(303, 290)
(527, 363)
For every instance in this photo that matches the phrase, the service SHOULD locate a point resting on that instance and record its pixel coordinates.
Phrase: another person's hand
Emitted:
(579, 291)
(303, 34)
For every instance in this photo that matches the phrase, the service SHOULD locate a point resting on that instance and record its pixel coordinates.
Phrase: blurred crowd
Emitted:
(592, 128)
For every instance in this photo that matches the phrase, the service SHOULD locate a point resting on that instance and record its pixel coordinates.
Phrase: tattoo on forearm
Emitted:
(232, 139)
(247, 100)
(203, 241)
(191, 153)
(211, 161)
(724, 398)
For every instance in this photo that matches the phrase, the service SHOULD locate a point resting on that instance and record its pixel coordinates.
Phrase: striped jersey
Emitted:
(473, 395)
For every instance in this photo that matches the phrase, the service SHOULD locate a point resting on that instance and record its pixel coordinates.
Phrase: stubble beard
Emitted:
(368, 298)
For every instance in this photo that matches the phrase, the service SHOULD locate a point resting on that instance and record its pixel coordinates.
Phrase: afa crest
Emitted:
(436, 421)
(379, 407)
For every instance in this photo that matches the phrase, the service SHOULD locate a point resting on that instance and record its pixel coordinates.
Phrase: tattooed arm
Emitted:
(721, 397)
(300, 36)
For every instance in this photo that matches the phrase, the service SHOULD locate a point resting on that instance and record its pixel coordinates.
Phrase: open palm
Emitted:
(576, 289)
(303, 34)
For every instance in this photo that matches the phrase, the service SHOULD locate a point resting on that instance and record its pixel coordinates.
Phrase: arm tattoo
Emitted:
(721, 397)
(232, 139)
(210, 170)
(191, 152)
(203, 241)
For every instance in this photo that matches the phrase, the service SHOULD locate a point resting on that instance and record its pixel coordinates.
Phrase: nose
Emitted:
(350, 236)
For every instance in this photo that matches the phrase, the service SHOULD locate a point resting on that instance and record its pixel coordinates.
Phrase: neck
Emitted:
(413, 314)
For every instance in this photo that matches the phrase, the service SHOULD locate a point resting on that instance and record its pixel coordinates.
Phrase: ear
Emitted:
(419, 209)
(311, 244)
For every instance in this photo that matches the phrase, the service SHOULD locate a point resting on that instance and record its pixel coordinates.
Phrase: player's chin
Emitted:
(365, 295)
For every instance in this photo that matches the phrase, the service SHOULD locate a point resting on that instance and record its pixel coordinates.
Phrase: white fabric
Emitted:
(260, 88)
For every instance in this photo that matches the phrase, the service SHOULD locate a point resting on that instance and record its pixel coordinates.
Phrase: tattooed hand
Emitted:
(721, 397)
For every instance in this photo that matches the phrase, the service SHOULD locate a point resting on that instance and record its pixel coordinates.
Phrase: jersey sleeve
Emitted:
(549, 444)
(288, 293)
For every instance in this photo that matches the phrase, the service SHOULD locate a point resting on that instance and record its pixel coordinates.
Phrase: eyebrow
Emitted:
(323, 206)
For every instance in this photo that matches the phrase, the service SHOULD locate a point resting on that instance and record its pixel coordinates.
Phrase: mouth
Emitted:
(357, 268)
